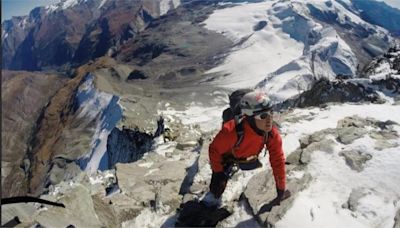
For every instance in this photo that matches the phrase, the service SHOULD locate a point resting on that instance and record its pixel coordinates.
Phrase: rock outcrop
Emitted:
(126, 146)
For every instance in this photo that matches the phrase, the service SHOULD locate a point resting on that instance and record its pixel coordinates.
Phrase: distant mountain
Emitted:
(74, 31)
(373, 11)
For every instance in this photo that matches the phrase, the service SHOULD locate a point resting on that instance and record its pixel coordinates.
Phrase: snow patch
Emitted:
(150, 218)
(102, 3)
(196, 114)
(68, 3)
(147, 164)
(104, 108)
(257, 53)
(166, 5)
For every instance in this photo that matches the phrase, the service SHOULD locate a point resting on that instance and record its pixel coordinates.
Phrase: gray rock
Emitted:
(348, 134)
(384, 135)
(78, 202)
(200, 185)
(159, 183)
(127, 145)
(325, 145)
(356, 121)
(24, 211)
(125, 208)
(105, 211)
(353, 121)
(315, 142)
(383, 144)
(397, 220)
(355, 159)
(316, 137)
(294, 157)
(186, 145)
(354, 198)
(261, 190)
(63, 171)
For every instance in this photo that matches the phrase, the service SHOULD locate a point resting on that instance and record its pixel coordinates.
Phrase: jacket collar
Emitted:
(253, 126)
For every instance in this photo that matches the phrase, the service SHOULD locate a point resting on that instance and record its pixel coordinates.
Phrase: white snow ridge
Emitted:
(104, 108)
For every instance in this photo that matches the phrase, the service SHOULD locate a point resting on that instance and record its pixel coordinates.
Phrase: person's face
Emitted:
(264, 121)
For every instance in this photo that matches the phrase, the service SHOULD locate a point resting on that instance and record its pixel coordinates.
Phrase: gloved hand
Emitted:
(281, 195)
(218, 183)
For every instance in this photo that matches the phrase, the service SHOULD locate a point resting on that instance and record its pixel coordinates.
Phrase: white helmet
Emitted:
(255, 102)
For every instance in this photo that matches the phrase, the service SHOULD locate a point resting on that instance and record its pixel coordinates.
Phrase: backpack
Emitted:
(234, 112)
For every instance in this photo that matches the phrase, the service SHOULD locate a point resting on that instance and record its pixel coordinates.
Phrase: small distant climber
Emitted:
(160, 127)
(239, 143)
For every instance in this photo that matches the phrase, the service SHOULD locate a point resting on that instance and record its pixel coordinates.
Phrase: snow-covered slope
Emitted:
(286, 46)
(373, 191)
(256, 53)
(104, 109)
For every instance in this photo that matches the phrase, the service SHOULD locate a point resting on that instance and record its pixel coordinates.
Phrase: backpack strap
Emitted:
(239, 132)
(266, 137)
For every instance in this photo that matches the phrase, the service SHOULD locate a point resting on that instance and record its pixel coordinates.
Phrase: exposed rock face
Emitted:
(162, 182)
(355, 159)
(105, 213)
(354, 198)
(23, 211)
(261, 191)
(62, 170)
(126, 146)
(154, 183)
(397, 220)
(325, 91)
(384, 66)
(24, 96)
(78, 202)
(351, 90)
(349, 134)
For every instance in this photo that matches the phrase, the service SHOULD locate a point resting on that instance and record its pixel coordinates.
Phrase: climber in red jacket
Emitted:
(230, 148)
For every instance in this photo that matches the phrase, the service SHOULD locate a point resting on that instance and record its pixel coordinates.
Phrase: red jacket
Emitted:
(252, 144)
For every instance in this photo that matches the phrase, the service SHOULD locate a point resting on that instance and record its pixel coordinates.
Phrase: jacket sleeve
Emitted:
(222, 143)
(277, 159)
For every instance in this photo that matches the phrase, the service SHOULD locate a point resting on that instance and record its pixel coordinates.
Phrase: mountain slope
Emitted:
(73, 32)
(24, 97)
(327, 39)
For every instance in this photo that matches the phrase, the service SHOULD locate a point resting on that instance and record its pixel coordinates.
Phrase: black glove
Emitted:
(281, 195)
(218, 183)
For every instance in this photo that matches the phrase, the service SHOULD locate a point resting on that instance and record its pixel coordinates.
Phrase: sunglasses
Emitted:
(264, 115)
